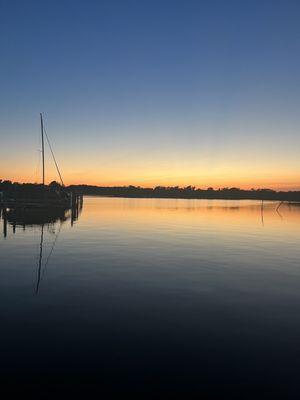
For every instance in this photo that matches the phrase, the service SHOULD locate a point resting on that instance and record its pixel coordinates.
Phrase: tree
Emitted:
(55, 185)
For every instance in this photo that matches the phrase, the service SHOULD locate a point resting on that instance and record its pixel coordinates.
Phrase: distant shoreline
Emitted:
(186, 198)
(17, 190)
(187, 193)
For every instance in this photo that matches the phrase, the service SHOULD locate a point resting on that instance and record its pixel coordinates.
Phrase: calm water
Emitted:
(168, 296)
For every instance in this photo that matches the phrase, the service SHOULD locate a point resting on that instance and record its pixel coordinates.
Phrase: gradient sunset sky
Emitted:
(203, 93)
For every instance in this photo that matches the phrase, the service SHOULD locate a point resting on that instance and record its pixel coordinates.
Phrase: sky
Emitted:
(202, 93)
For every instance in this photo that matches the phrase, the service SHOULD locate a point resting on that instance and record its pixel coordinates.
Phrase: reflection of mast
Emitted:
(279, 205)
(41, 269)
(52, 249)
(262, 212)
(40, 260)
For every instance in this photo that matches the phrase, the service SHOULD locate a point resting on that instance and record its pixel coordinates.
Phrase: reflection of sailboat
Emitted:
(40, 260)
(43, 218)
(42, 268)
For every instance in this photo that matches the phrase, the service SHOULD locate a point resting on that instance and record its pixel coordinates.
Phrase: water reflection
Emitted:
(155, 291)
(49, 217)
(217, 214)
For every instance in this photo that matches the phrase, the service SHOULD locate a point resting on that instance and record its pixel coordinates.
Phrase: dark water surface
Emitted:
(185, 297)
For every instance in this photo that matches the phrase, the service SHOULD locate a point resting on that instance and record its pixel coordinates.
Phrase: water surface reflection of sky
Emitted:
(155, 290)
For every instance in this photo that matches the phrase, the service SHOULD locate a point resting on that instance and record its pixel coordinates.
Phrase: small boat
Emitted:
(35, 196)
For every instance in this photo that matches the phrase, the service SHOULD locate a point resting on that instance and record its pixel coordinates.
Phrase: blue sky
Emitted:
(152, 92)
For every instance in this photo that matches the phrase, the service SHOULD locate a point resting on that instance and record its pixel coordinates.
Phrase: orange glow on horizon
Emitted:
(276, 181)
(245, 174)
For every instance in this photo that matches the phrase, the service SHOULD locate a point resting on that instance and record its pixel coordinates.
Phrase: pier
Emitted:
(21, 213)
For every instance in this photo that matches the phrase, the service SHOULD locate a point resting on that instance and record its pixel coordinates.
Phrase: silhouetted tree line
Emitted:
(23, 191)
(188, 192)
(31, 190)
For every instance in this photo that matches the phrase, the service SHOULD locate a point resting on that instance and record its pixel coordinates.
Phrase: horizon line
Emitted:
(193, 187)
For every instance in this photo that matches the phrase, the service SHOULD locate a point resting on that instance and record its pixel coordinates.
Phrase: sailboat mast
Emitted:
(43, 149)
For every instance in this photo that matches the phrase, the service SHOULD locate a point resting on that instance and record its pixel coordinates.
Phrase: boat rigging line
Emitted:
(43, 132)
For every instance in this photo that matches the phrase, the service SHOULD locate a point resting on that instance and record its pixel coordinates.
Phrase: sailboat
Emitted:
(43, 196)
(55, 195)
(39, 204)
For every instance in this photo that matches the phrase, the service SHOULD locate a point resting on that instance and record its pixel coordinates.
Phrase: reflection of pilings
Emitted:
(76, 206)
(4, 217)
